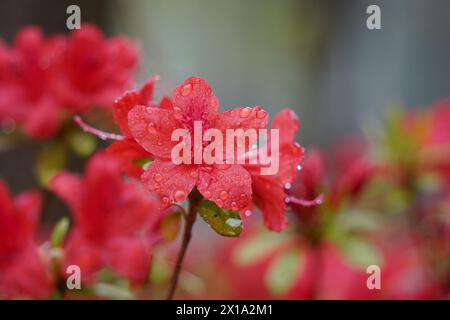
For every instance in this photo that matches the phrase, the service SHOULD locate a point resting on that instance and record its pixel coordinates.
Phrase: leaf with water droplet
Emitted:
(283, 272)
(225, 222)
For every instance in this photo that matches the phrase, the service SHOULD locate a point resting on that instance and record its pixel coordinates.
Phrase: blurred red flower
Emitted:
(114, 220)
(42, 80)
(228, 185)
(22, 272)
(269, 190)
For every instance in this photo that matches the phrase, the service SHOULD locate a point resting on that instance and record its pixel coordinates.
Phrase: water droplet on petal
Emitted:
(186, 90)
(234, 206)
(245, 112)
(287, 186)
(223, 195)
(243, 198)
(248, 213)
(194, 174)
(151, 128)
(179, 195)
(261, 114)
(156, 186)
(165, 200)
(299, 167)
(207, 194)
(157, 177)
(287, 200)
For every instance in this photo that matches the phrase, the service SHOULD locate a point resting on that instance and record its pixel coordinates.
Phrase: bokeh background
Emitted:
(314, 56)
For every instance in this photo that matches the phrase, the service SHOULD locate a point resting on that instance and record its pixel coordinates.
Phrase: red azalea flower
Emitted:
(113, 220)
(25, 91)
(269, 190)
(127, 149)
(349, 172)
(22, 272)
(94, 70)
(228, 185)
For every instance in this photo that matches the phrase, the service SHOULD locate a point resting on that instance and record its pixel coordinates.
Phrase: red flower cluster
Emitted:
(44, 79)
(147, 128)
(115, 220)
(22, 272)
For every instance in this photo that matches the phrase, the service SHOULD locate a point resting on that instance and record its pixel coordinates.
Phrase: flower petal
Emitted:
(70, 188)
(228, 186)
(172, 182)
(288, 124)
(152, 128)
(269, 197)
(129, 152)
(131, 99)
(242, 118)
(195, 98)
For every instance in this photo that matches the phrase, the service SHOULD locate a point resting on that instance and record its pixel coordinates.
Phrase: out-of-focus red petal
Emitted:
(70, 188)
(26, 276)
(152, 128)
(228, 186)
(269, 197)
(28, 205)
(129, 152)
(172, 182)
(195, 98)
(131, 99)
(129, 257)
(166, 103)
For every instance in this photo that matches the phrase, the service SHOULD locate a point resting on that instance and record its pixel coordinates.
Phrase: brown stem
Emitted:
(189, 223)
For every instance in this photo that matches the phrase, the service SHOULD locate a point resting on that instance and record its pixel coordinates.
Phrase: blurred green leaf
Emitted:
(81, 143)
(283, 271)
(359, 252)
(224, 222)
(106, 275)
(59, 232)
(160, 272)
(254, 248)
(171, 224)
(109, 291)
(143, 163)
(51, 159)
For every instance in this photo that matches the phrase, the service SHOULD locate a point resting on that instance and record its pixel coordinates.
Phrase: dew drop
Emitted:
(299, 167)
(193, 174)
(157, 177)
(179, 195)
(186, 90)
(261, 114)
(245, 112)
(243, 198)
(248, 213)
(156, 186)
(151, 128)
(234, 206)
(165, 200)
(207, 194)
(219, 202)
(287, 186)
(223, 195)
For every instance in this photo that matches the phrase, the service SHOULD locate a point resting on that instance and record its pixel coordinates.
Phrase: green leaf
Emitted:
(59, 232)
(109, 291)
(143, 163)
(224, 222)
(283, 272)
(253, 249)
(51, 159)
(81, 143)
(359, 252)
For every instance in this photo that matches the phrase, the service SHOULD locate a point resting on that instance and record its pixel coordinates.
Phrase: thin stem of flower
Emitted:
(99, 133)
(190, 218)
(306, 203)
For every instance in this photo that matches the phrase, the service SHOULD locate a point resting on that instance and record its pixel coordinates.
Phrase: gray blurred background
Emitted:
(316, 57)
